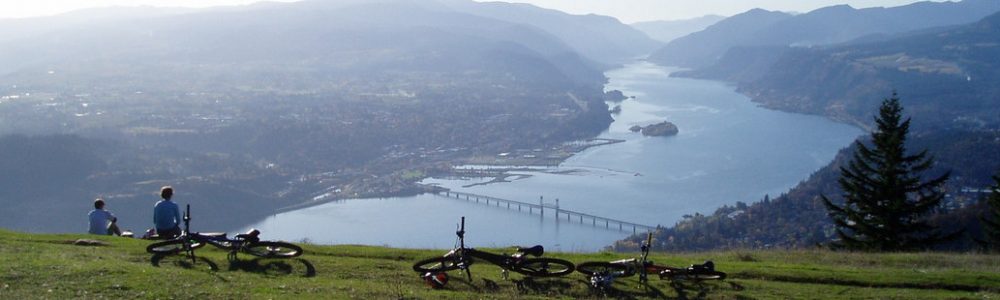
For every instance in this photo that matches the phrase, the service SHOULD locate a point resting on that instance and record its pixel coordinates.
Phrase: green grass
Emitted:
(50, 266)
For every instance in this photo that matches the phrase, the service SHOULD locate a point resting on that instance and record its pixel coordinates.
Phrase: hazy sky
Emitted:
(628, 11)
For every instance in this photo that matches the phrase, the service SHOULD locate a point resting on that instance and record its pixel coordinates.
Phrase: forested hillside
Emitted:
(947, 79)
(798, 219)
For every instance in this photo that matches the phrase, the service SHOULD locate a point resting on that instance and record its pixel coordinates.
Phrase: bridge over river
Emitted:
(540, 208)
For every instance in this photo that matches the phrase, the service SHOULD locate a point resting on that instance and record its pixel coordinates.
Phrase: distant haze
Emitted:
(628, 11)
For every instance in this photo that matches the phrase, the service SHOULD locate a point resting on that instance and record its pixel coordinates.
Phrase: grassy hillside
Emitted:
(50, 266)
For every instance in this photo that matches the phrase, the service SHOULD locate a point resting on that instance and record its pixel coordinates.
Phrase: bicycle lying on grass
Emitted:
(462, 258)
(603, 274)
(248, 243)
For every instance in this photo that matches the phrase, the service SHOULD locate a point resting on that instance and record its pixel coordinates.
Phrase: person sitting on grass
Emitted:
(166, 215)
(103, 222)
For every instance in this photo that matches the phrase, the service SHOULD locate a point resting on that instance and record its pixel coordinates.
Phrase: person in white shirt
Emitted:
(102, 221)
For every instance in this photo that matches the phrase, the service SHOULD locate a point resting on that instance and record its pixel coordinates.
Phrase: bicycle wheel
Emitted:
(707, 275)
(692, 275)
(273, 249)
(599, 267)
(171, 246)
(544, 267)
(434, 265)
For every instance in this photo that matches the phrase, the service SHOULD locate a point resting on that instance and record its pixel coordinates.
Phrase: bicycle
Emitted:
(248, 242)
(462, 257)
(603, 274)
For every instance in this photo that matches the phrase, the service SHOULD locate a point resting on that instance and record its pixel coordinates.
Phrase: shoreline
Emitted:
(499, 175)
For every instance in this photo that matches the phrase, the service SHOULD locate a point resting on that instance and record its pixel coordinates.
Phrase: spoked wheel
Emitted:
(544, 267)
(273, 250)
(435, 265)
(592, 268)
(171, 247)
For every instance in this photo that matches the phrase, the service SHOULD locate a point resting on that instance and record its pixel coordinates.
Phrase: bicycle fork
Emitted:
(189, 249)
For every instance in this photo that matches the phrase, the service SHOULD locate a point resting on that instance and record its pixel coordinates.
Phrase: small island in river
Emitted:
(659, 129)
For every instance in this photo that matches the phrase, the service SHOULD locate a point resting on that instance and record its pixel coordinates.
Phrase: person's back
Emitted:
(166, 214)
(102, 222)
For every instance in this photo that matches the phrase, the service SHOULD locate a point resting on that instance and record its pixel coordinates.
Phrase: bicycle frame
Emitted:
(643, 266)
(245, 242)
(220, 241)
(462, 257)
(466, 256)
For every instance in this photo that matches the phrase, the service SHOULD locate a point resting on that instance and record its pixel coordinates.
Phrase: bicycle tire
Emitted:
(171, 246)
(693, 275)
(545, 267)
(268, 249)
(707, 275)
(591, 268)
(436, 264)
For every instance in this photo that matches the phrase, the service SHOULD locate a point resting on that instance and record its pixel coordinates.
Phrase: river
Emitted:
(728, 150)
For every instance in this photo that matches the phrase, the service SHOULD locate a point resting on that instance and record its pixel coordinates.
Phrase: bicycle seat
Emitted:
(536, 251)
(707, 266)
(252, 233)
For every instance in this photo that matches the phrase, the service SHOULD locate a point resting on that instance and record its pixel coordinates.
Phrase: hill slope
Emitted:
(948, 78)
(51, 266)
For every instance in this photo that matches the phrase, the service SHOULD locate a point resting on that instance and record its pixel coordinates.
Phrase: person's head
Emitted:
(99, 203)
(166, 192)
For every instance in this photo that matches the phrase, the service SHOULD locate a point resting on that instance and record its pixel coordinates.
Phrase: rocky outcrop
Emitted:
(659, 129)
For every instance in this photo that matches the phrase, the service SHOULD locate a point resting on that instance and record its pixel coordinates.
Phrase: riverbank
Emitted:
(497, 167)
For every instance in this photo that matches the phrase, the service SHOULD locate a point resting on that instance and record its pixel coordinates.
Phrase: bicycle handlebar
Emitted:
(645, 246)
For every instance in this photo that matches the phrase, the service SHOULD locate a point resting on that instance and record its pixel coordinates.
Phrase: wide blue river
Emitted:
(728, 150)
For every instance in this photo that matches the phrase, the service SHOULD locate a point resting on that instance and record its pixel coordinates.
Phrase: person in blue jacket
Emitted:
(166, 215)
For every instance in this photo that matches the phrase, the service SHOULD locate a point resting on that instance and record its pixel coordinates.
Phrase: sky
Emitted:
(628, 11)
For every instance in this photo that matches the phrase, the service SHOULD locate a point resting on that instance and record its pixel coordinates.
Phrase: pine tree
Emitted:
(884, 198)
(991, 220)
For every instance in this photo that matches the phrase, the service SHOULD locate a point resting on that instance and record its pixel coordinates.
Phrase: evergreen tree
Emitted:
(991, 220)
(885, 199)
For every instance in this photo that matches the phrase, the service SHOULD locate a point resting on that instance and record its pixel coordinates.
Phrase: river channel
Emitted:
(728, 150)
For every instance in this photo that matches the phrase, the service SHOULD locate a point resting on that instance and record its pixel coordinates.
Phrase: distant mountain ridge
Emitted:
(601, 38)
(824, 26)
(329, 35)
(701, 48)
(666, 31)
